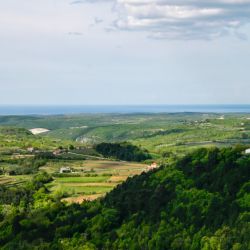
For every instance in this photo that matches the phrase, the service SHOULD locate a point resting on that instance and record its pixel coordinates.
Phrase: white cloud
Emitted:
(183, 19)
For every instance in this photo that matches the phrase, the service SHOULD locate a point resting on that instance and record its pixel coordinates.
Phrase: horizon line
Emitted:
(138, 105)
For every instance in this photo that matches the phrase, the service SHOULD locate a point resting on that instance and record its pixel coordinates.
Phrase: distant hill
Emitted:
(160, 134)
(14, 131)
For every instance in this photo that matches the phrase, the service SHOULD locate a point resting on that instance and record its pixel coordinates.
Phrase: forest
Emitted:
(200, 201)
(122, 151)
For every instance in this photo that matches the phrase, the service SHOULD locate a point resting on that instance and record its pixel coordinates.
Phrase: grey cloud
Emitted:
(179, 19)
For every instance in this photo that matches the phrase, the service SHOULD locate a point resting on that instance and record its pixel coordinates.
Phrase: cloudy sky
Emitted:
(124, 51)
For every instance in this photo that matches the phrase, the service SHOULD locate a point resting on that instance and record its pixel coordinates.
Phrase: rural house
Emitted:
(247, 151)
(152, 166)
(65, 170)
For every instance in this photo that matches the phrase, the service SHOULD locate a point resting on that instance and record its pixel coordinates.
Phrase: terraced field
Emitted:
(93, 178)
(9, 181)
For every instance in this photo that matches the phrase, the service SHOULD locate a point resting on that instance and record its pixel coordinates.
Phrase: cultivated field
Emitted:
(91, 178)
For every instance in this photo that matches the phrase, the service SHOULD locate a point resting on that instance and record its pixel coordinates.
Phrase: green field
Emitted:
(77, 190)
(81, 179)
(107, 174)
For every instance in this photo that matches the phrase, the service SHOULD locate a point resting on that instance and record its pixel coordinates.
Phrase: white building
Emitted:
(152, 167)
(247, 151)
(65, 170)
(30, 149)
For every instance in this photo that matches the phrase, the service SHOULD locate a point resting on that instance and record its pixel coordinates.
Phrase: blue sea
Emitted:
(122, 109)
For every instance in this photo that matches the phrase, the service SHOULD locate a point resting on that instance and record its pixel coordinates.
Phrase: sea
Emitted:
(121, 109)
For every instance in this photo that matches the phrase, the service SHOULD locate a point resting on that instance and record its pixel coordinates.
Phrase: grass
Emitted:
(95, 179)
(75, 190)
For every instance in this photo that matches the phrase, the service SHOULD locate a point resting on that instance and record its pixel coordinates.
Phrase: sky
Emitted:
(121, 52)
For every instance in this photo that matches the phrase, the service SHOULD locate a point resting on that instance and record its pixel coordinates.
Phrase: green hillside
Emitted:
(176, 133)
(199, 202)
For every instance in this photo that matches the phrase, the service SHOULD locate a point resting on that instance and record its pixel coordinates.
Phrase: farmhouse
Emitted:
(247, 151)
(65, 170)
(30, 149)
(57, 152)
(152, 166)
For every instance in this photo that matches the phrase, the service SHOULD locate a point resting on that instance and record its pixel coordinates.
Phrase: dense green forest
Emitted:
(201, 201)
(122, 151)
